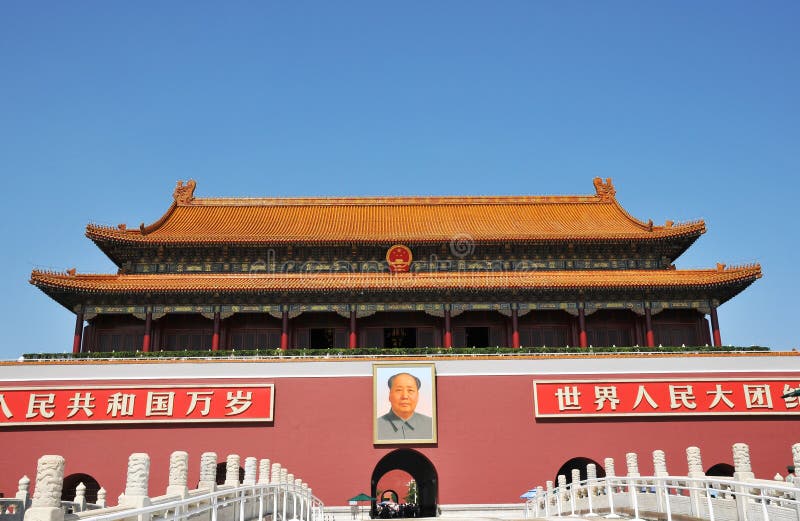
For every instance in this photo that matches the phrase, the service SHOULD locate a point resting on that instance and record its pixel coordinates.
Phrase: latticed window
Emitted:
(186, 340)
(108, 341)
(255, 339)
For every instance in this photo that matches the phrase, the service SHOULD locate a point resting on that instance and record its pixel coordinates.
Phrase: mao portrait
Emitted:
(404, 407)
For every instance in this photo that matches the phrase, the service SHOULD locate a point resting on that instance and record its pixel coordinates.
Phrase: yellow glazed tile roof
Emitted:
(191, 220)
(282, 282)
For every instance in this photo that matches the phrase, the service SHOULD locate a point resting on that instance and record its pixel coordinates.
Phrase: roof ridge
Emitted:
(388, 200)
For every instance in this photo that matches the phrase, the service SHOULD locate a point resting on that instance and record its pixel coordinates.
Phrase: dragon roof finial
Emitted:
(184, 194)
(605, 190)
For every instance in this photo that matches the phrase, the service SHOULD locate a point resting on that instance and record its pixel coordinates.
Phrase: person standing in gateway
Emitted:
(402, 422)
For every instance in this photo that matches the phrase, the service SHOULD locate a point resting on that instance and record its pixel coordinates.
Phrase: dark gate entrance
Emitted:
(420, 468)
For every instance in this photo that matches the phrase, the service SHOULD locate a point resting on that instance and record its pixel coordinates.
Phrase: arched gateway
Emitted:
(420, 468)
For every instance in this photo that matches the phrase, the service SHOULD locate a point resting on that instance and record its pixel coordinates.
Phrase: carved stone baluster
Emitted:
(46, 502)
(23, 487)
(80, 497)
(101, 497)
(208, 471)
(178, 473)
(137, 482)
(232, 470)
(250, 469)
(263, 471)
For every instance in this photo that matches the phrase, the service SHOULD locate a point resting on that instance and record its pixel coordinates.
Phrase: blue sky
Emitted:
(691, 108)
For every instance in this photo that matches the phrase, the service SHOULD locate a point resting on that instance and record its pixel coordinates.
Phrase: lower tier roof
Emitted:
(68, 288)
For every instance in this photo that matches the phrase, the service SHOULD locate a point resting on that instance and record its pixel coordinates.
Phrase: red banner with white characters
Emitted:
(135, 404)
(714, 397)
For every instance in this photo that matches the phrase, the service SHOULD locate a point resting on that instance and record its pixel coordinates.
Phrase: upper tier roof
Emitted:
(375, 220)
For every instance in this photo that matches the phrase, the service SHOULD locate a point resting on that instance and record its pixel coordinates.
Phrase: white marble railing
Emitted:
(664, 496)
(274, 494)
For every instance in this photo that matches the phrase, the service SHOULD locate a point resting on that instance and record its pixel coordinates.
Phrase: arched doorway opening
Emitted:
(721, 469)
(71, 483)
(421, 470)
(580, 464)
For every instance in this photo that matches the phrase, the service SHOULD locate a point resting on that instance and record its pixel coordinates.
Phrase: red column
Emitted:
(215, 336)
(582, 327)
(515, 328)
(353, 331)
(448, 334)
(148, 327)
(715, 327)
(648, 326)
(77, 340)
(285, 331)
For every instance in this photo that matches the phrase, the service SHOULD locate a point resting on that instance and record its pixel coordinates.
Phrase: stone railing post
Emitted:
(576, 483)
(285, 491)
(208, 471)
(274, 480)
(23, 487)
(591, 478)
(796, 461)
(741, 462)
(250, 469)
(541, 501)
(563, 492)
(610, 488)
(659, 464)
(137, 483)
(632, 461)
(290, 490)
(178, 473)
(660, 471)
(101, 497)
(610, 471)
(263, 471)
(742, 471)
(46, 502)
(80, 497)
(232, 470)
(695, 462)
(298, 493)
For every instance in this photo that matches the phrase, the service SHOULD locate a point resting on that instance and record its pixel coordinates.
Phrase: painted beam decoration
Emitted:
(678, 397)
(136, 404)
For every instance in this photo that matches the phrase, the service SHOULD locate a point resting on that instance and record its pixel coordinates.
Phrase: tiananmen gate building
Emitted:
(285, 318)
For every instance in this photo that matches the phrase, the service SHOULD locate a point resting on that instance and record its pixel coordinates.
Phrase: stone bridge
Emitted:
(666, 496)
(267, 492)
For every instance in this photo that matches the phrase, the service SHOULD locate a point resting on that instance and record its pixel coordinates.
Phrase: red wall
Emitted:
(490, 449)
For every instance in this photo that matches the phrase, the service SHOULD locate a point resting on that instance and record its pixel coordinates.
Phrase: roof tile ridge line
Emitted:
(747, 266)
(147, 229)
(691, 224)
(94, 231)
(415, 200)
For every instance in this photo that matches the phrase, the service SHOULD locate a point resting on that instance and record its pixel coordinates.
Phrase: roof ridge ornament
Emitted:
(605, 190)
(184, 194)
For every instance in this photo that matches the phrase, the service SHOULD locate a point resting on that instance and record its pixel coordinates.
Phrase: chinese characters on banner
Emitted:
(138, 404)
(598, 398)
